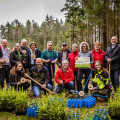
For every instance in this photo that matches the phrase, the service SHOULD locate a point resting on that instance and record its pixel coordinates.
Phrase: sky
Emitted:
(30, 9)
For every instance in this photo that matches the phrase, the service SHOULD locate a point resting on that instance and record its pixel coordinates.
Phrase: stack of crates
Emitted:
(79, 103)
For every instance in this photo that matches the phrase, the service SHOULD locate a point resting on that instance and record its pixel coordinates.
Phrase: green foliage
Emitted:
(114, 103)
(13, 100)
(51, 107)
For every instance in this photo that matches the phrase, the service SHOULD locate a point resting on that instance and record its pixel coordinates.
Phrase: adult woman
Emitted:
(98, 55)
(16, 55)
(84, 52)
(32, 55)
(101, 80)
(17, 77)
(71, 59)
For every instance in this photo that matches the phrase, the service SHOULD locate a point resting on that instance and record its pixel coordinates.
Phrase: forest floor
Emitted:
(85, 113)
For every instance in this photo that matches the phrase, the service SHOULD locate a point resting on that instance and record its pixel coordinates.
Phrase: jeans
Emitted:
(68, 86)
(37, 89)
(115, 78)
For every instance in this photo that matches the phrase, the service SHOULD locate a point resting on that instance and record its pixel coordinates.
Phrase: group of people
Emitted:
(41, 67)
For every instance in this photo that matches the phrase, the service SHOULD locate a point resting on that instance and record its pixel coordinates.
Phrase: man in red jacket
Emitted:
(64, 77)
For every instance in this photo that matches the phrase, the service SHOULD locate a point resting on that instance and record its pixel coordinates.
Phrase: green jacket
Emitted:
(101, 79)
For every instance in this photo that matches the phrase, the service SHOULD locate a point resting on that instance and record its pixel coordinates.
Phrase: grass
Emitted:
(85, 113)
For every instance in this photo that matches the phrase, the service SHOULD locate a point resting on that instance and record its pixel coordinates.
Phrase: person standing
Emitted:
(63, 54)
(25, 50)
(6, 60)
(32, 55)
(84, 52)
(98, 55)
(49, 58)
(16, 55)
(112, 57)
(71, 59)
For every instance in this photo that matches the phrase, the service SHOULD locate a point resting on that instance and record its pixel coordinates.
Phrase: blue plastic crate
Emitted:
(89, 101)
(74, 103)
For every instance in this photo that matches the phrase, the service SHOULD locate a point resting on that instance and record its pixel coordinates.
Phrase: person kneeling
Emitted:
(100, 84)
(17, 78)
(64, 77)
(41, 75)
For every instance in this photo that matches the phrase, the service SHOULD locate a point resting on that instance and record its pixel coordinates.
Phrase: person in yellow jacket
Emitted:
(100, 84)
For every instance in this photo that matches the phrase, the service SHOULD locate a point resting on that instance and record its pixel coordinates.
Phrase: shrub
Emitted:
(51, 107)
(13, 100)
(114, 104)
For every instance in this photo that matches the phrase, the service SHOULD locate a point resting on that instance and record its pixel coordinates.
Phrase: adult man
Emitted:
(63, 54)
(5, 60)
(113, 58)
(41, 75)
(64, 77)
(25, 51)
(49, 58)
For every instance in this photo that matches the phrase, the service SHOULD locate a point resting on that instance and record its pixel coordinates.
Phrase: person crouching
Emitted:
(64, 77)
(101, 83)
(17, 79)
(41, 75)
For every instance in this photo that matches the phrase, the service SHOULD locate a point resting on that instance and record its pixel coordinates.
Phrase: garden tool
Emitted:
(52, 75)
(26, 75)
(81, 93)
(110, 79)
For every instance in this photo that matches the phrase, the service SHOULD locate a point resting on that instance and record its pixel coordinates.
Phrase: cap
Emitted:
(64, 44)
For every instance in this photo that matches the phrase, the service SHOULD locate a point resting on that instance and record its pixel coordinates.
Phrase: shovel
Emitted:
(52, 75)
(26, 75)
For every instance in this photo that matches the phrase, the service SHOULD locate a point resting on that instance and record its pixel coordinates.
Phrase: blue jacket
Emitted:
(60, 54)
(37, 55)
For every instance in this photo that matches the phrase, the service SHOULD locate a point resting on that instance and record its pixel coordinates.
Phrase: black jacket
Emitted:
(60, 54)
(14, 58)
(25, 55)
(1, 52)
(15, 79)
(26, 48)
(42, 76)
(114, 54)
(37, 55)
